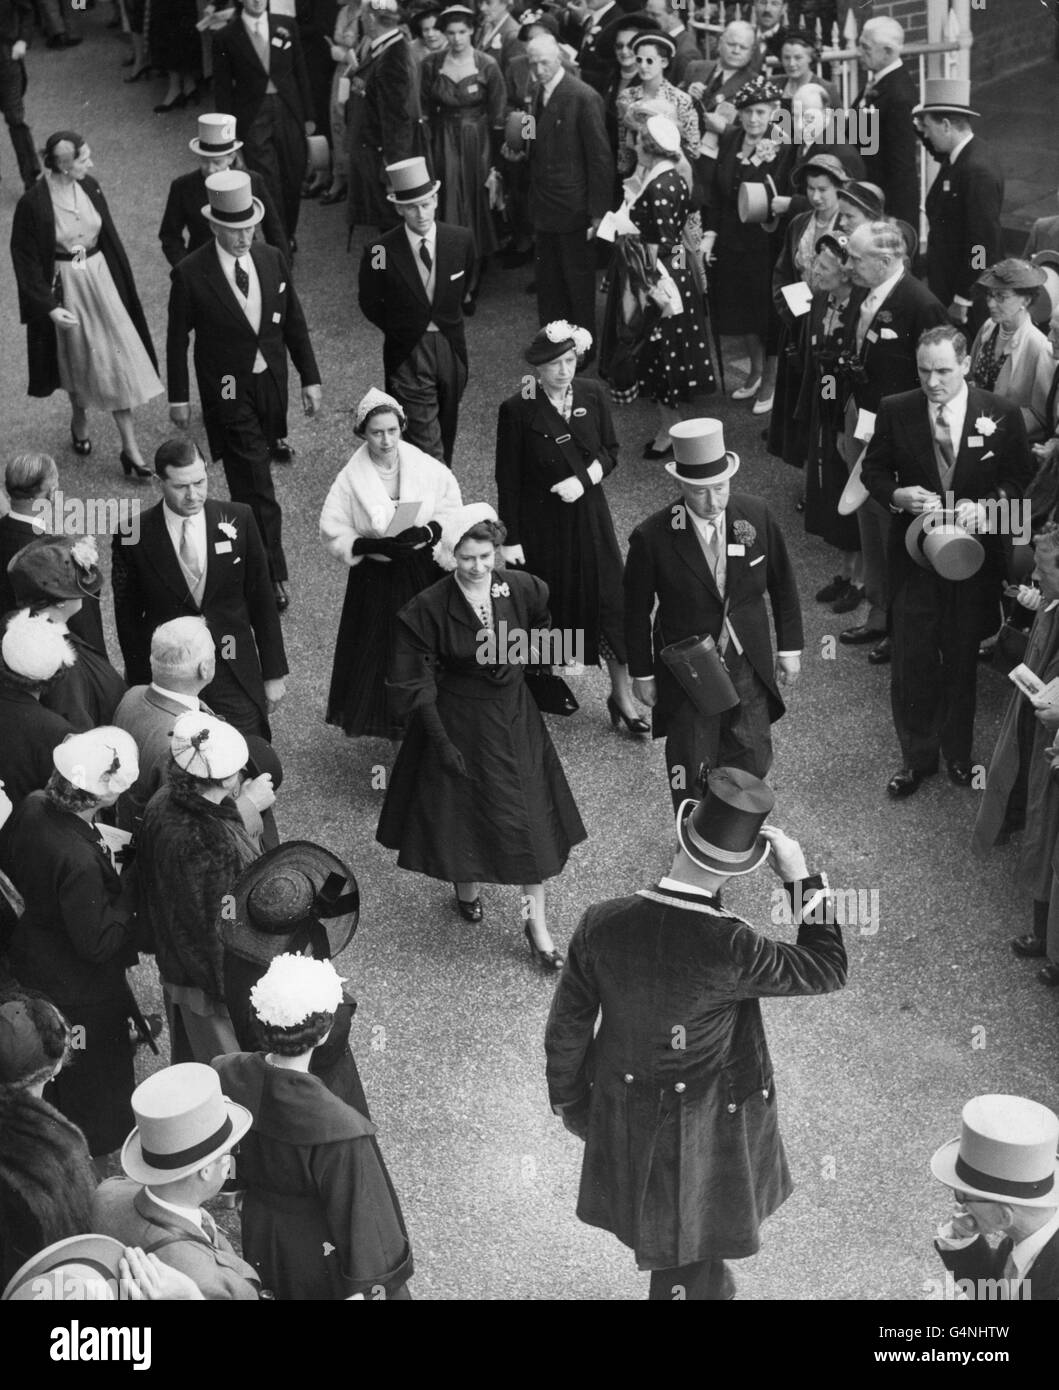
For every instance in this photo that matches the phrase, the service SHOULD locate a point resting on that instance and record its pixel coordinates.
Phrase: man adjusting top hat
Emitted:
(674, 1094)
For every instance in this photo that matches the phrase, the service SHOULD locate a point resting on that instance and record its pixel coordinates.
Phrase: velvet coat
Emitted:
(570, 545)
(665, 564)
(33, 256)
(321, 1219)
(683, 1157)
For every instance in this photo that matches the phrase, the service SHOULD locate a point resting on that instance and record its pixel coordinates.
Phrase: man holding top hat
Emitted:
(238, 299)
(1004, 1176)
(413, 281)
(934, 462)
(216, 148)
(708, 560)
(177, 1159)
(964, 201)
(674, 1095)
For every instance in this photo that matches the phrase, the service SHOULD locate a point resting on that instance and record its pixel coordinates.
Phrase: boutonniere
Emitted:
(282, 32)
(743, 532)
(765, 152)
(884, 316)
(227, 528)
(500, 591)
(985, 424)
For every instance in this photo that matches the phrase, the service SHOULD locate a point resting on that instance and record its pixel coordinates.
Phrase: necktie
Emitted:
(943, 438)
(242, 280)
(867, 313)
(259, 38)
(189, 555)
(425, 256)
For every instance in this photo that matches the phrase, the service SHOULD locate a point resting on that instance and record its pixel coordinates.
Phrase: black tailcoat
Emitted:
(183, 214)
(240, 82)
(894, 166)
(963, 209)
(888, 353)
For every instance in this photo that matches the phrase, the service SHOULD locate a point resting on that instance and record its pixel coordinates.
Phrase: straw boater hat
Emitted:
(722, 832)
(232, 203)
(1006, 1152)
(699, 453)
(89, 1264)
(216, 136)
(409, 180)
(297, 895)
(945, 94)
(183, 1122)
(937, 542)
(55, 568)
(98, 761)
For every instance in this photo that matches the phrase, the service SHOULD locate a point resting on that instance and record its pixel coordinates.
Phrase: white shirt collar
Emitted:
(192, 701)
(885, 72)
(955, 414)
(34, 519)
(174, 524)
(256, 21)
(192, 1214)
(668, 882)
(414, 238)
(959, 148)
(550, 86)
(1026, 1251)
(702, 523)
(882, 292)
(377, 45)
(228, 261)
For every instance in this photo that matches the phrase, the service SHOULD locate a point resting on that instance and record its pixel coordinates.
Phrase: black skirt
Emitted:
(375, 594)
(94, 1090)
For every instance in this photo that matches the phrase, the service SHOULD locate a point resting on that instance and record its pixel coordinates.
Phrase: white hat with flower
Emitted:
(295, 987)
(456, 527)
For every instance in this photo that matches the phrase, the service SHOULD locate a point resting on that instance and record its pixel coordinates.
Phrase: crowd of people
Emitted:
(918, 395)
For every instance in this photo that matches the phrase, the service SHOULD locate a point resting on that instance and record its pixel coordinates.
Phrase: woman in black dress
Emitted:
(384, 571)
(826, 470)
(743, 253)
(554, 509)
(477, 794)
(77, 935)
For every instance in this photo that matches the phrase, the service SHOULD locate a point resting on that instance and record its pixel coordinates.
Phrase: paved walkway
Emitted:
(1020, 117)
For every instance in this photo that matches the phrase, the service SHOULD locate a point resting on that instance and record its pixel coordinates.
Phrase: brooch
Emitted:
(500, 591)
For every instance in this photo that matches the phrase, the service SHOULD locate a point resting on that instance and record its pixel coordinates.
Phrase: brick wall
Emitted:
(910, 14)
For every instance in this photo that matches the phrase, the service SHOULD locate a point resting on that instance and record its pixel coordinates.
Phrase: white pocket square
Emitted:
(282, 286)
(458, 276)
(760, 560)
(887, 333)
(990, 455)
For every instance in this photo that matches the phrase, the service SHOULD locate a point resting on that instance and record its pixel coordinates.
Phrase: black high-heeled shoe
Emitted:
(139, 74)
(547, 960)
(470, 912)
(81, 446)
(178, 102)
(132, 469)
(633, 723)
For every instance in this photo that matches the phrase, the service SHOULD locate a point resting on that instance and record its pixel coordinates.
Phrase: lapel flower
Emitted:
(84, 554)
(228, 528)
(500, 591)
(884, 316)
(985, 425)
(743, 532)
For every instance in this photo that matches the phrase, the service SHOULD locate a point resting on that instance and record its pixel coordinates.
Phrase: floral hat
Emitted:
(554, 339)
(759, 89)
(54, 568)
(293, 988)
(35, 648)
(207, 747)
(99, 761)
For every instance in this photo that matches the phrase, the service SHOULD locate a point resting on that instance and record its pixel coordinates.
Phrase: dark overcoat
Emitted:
(33, 256)
(666, 565)
(570, 545)
(30, 734)
(570, 163)
(683, 1156)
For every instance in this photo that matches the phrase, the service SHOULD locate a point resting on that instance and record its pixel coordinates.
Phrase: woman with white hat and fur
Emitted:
(386, 568)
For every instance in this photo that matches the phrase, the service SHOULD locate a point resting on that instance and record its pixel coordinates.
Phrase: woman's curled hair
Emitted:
(292, 1042)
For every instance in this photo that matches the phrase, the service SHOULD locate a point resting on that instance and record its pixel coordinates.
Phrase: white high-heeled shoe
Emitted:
(763, 406)
(743, 393)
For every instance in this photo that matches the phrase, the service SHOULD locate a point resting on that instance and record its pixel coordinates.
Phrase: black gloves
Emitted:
(399, 547)
(420, 535)
(449, 755)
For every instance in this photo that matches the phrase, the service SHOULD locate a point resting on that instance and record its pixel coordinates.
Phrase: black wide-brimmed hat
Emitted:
(298, 894)
(722, 832)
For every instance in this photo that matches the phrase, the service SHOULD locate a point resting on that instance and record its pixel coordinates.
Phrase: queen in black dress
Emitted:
(821, 414)
(463, 103)
(384, 571)
(672, 358)
(477, 794)
(554, 447)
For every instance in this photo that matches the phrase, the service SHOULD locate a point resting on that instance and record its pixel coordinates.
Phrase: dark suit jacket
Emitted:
(505, 43)
(688, 52)
(183, 213)
(33, 257)
(901, 454)
(238, 603)
(123, 1209)
(890, 362)
(981, 1261)
(30, 734)
(707, 72)
(202, 302)
(666, 564)
(963, 209)
(87, 624)
(392, 296)
(595, 69)
(240, 82)
(895, 164)
(570, 163)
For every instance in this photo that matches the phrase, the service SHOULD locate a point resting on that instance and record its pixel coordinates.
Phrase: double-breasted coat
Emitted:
(665, 564)
(570, 545)
(683, 1156)
(33, 257)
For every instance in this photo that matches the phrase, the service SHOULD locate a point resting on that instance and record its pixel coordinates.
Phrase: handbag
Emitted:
(699, 669)
(550, 692)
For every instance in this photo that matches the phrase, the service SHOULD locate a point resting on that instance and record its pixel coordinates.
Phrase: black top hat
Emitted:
(53, 568)
(298, 894)
(722, 832)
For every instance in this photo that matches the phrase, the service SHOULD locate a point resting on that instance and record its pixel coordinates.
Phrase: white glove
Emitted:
(570, 489)
(512, 555)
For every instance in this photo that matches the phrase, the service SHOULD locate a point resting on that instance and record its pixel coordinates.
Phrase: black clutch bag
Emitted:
(551, 692)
